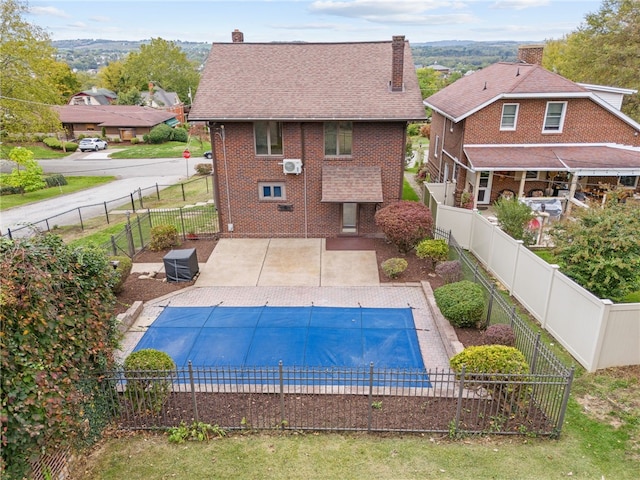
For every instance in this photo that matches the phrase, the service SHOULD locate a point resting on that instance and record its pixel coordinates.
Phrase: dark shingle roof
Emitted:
(472, 92)
(290, 81)
(113, 115)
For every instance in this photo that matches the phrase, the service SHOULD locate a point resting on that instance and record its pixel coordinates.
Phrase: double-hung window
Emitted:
(337, 138)
(271, 191)
(554, 116)
(509, 116)
(268, 136)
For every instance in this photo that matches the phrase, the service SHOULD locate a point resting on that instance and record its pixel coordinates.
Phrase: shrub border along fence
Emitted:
(358, 399)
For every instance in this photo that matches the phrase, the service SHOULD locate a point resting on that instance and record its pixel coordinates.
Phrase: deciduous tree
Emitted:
(601, 249)
(30, 75)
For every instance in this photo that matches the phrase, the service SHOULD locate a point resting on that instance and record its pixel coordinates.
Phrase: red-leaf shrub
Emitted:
(405, 223)
(500, 334)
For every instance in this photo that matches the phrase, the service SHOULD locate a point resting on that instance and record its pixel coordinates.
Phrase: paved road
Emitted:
(131, 174)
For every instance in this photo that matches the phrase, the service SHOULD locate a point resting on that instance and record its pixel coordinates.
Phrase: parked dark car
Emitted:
(208, 154)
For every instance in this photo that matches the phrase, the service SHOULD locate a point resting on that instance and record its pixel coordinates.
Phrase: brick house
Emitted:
(516, 129)
(114, 122)
(308, 139)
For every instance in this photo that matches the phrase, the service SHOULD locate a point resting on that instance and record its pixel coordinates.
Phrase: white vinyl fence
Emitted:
(597, 332)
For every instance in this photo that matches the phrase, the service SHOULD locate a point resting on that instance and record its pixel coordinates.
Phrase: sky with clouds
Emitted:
(311, 20)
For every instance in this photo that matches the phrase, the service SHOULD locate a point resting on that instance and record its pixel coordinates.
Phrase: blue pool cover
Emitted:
(297, 336)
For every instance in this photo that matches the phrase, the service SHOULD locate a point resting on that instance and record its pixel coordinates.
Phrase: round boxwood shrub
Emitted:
(160, 133)
(179, 135)
(436, 250)
(392, 267)
(148, 373)
(488, 359)
(163, 237)
(462, 303)
(500, 334)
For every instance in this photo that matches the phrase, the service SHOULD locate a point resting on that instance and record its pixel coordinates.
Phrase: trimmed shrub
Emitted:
(122, 271)
(432, 249)
(462, 303)
(405, 223)
(148, 373)
(53, 142)
(70, 146)
(500, 334)
(134, 140)
(392, 267)
(450, 271)
(488, 359)
(179, 135)
(160, 133)
(204, 168)
(164, 236)
(55, 180)
(9, 190)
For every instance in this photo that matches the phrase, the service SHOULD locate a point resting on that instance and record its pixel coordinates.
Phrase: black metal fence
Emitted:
(338, 399)
(199, 221)
(133, 202)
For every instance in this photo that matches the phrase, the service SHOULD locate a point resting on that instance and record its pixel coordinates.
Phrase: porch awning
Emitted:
(172, 122)
(584, 160)
(351, 184)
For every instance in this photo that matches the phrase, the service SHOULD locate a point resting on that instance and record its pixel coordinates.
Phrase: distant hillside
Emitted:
(465, 55)
(91, 54)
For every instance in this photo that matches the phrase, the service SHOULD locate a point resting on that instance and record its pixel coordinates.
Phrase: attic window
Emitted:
(554, 117)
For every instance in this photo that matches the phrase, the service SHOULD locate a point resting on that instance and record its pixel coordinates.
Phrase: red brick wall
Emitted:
(373, 144)
(585, 121)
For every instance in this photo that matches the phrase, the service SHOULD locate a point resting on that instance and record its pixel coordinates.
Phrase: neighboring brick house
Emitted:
(115, 122)
(334, 115)
(160, 99)
(518, 129)
(94, 96)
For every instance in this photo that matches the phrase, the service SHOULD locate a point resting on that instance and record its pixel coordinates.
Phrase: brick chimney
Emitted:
(237, 36)
(397, 63)
(530, 54)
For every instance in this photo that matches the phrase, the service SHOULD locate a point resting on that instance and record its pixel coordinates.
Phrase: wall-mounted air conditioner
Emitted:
(293, 166)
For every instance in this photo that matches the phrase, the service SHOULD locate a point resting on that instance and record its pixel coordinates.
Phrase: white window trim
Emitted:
(562, 116)
(435, 148)
(261, 196)
(255, 139)
(515, 117)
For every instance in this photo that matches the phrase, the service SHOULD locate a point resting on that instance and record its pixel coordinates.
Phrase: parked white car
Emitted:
(94, 144)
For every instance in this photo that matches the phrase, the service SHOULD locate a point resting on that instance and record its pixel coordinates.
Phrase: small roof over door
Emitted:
(351, 184)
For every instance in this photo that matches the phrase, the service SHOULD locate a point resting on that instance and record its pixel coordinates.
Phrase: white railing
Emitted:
(597, 332)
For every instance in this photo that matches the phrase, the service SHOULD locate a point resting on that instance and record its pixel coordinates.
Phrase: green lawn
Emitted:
(163, 150)
(588, 449)
(40, 152)
(408, 193)
(74, 184)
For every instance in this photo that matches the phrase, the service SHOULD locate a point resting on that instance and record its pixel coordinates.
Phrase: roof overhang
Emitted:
(351, 184)
(579, 159)
(546, 96)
